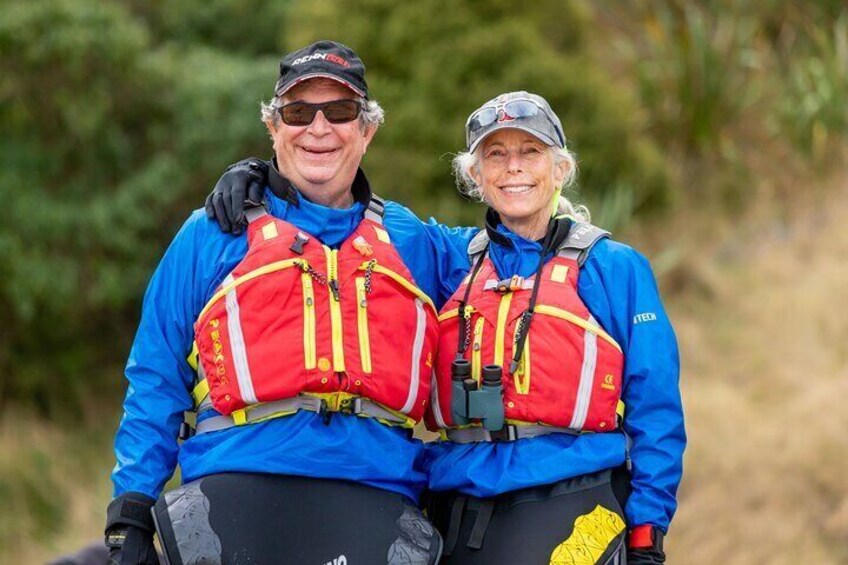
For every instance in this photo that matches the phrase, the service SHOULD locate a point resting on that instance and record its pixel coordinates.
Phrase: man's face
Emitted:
(321, 159)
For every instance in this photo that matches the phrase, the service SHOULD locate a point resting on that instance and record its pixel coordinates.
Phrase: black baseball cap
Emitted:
(323, 59)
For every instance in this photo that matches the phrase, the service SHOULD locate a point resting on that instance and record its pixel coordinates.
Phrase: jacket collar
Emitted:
(558, 229)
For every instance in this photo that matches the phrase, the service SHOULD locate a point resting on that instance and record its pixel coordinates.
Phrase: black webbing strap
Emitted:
(485, 509)
(130, 509)
(454, 524)
(461, 345)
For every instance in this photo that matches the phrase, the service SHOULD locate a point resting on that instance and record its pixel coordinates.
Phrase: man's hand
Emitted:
(129, 530)
(645, 556)
(131, 545)
(242, 182)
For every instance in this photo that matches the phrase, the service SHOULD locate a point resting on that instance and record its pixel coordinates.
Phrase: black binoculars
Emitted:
(470, 402)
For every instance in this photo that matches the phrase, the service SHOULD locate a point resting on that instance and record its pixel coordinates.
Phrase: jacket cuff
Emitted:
(131, 509)
(645, 536)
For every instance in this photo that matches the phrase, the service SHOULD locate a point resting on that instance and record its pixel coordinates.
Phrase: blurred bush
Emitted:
(432, 63)
(107, 142)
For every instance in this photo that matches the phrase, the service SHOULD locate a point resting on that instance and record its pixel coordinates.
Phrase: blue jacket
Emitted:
(616, 284)
(618, 287)
(160, 379)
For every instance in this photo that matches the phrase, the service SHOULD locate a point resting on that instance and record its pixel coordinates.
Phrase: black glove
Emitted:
(129, 530)
(242, 181)
(645, 556)
(130, 545)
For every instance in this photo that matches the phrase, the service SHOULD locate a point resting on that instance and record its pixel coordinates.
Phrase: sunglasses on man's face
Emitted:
(335, 111)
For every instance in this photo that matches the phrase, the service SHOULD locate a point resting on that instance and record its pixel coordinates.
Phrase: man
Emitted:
(302, 451)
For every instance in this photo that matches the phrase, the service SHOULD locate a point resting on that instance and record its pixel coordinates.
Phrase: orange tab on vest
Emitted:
(363, 247)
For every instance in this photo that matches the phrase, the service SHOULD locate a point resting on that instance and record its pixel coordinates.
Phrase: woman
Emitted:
(556, 380)
(565, 323)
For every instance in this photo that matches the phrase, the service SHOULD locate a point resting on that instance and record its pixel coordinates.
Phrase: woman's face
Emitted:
(518, 176)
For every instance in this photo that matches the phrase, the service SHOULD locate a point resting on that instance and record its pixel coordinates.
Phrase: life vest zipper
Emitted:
(521, 375)
(335, 309)
(500, 329)
(308, 321)
(477, 350)
(362, 323)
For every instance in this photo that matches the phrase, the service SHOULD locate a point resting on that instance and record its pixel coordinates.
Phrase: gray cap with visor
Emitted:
(520, 110)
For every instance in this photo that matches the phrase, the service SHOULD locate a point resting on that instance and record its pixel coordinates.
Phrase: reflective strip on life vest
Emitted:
(237, 347)
(362, 323)
(577, 320)
(477, 349)
(500, 329)
(587, 379)
(434, 401)
(308, 321)
(335, 309)
(417, 350)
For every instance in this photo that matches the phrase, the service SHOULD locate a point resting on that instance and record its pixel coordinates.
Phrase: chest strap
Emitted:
(507, 433)
(266, 411)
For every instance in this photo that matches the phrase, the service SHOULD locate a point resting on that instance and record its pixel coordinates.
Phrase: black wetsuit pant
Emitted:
(236, 518)
(578, 520)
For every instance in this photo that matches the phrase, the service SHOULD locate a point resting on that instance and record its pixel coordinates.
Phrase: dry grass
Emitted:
(763, 333)
(54, 487)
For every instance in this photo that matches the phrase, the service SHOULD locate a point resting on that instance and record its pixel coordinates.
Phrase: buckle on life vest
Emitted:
(506, 433)
(324, 412)
(511, 284)
(350, 406)
(186, 431)
(300, 239)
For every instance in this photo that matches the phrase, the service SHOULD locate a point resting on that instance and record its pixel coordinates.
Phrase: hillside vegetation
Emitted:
(711, 134)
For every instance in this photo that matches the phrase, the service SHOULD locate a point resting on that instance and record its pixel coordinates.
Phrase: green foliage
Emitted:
(248, 27)
(815, 108)
(430, 64)
(108, 141)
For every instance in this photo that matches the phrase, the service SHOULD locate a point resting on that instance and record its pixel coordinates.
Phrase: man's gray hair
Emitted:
(372, 114)
(465, 162)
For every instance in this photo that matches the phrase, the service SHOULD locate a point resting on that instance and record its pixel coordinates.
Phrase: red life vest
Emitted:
(298, 318)
(570, 372)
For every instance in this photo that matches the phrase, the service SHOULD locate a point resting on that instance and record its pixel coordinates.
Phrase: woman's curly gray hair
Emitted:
(372, 114)
(465, 162)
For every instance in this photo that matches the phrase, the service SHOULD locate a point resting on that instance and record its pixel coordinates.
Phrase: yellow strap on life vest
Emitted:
(239, 416)
(193, 356)
(200, 392)
(619, 410)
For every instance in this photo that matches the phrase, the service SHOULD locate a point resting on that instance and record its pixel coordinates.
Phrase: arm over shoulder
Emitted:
(435, 253)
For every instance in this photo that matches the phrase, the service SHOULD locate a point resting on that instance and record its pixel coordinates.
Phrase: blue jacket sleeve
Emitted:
(619, 287)
(436, 254)
(159, 377)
